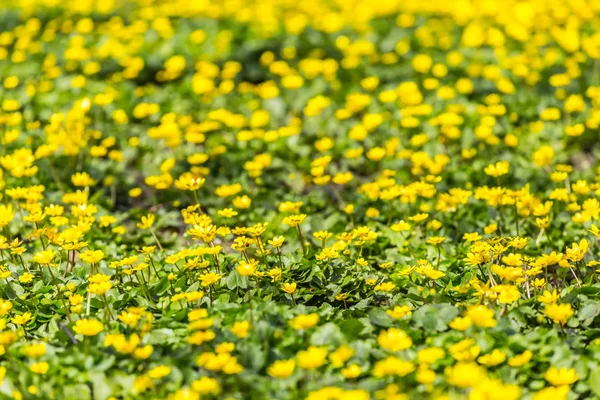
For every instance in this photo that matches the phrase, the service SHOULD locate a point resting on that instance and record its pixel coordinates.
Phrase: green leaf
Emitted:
(77, 392)
(329, 333)
(594, 380)
(105, 364)
(588, 313)
(235, 280)
(361, 305)
(351, 328)
(37, 286)
(161, 336)
(254, 357)
(379, 317)
(101, 385)
(590, 291)
(434, 317)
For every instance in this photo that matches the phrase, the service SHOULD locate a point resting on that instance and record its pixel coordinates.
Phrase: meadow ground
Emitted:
(274, 199)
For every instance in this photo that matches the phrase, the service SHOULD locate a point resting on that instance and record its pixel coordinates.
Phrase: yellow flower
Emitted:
(394, 339)
(351, 372)
(472, 237)
(385, 287)
(498, 169)
(419, 217)
(242, 202)
(520, 359)
(88, 327)
(312, 358)
(392, 366)
(92, 256)
(200, 337)
(5, 307)
(82, 179)
(399, 312)
(341, 296)
(142, 383)
(277, 241)
(21, 319)
(289, 288)
(282, 368)
(144, 352)
(322, 235)
(401, 226)
(247, 268)
(240, 329)
(491, 228)
(492, 388)
(544, 156)
(44, 257)
(135, 192)
(290, 206)
(507, 294)
(435, 240)
(552, 393)
(430, 355)
(35, 350)
(294, 220)
(99, 284)
(340, 356)
(206, 385)
(227, 212)
(209, 278)
(422, 63)
(7, 337)
(577, 251)
(465, 375)
(548, 298)
(465, 350)
(39, 368)
(225, 347)
(372, 212)
(560, 377)
(26, 277)
(146, 222)
(188, 181)
(304, 321)
(594, 230)
(559, 313)
(159, 372)
(6, 211)
(494, 358)
(481, 316)
(425, 375)
(185, 393)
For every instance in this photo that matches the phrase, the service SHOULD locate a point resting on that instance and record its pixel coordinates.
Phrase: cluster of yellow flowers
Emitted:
(320, 200)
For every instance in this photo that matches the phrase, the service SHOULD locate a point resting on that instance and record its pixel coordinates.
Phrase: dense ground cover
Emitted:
(286, 200)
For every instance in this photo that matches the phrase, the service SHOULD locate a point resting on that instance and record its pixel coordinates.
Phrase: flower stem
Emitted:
(301, 236)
